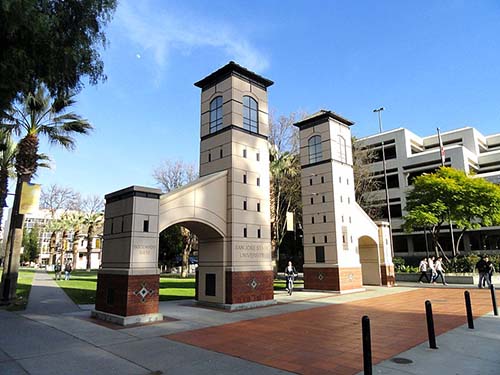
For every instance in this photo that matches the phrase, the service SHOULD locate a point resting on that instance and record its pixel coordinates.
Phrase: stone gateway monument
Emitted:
(228, 209)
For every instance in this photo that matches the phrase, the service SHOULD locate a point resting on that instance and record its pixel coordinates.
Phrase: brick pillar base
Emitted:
(388, 277)
(249, 286)
(127, 295)
(334, 279)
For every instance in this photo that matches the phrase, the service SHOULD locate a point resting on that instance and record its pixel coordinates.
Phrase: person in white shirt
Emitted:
(432, 268)
(440, 270)
(423, 270)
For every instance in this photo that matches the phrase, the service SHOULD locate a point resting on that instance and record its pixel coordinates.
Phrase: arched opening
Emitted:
(210, 282)
(370, 261)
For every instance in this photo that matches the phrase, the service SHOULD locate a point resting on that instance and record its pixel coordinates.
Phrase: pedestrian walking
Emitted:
(432, 270)
(57, 271)
(483, 267)
(67, 271)
(290, 274)
(440, 270)
(422, 267)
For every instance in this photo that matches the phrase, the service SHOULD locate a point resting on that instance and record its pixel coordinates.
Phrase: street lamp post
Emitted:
(379, 113)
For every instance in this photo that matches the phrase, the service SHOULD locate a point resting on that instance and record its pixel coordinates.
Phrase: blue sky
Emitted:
(429, 63)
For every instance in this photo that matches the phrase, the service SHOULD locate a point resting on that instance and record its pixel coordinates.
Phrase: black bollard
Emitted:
(468, 307)
(367, 345)
(494, 299)
(430, 325)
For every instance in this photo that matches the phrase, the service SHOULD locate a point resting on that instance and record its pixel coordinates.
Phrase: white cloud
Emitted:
(159, 32)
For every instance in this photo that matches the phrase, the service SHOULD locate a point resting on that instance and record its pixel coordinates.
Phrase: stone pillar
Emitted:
(128, 282)
(387, 275)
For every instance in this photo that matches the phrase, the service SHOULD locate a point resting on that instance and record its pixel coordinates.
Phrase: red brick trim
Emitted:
(126, 299)
(333, 278)
(387, 275)
(249, 286)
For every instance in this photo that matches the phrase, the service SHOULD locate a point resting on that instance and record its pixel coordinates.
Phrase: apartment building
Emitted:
(42, 219)
(409, 155)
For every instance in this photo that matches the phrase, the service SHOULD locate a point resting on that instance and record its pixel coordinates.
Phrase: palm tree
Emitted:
(7, 160)
(76, 222)
(92, 221)
(285, 192)
(37, 114)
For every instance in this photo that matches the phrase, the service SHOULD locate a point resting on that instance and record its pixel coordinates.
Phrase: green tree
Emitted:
(449, 194)
(54, 42)
(36, 115)
(31, 244)
(170, 245)
(7, 160)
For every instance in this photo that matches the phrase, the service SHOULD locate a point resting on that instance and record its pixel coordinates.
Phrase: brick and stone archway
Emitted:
(343, 247)
(228, 207)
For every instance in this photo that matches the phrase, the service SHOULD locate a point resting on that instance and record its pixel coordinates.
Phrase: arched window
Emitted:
(315, 152)
(342, 149)
(216, 114)
(250, 114)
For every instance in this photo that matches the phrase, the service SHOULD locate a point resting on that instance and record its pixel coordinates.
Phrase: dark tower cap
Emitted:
(233, 69)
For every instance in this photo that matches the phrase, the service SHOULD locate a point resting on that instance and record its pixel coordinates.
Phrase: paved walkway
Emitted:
(47, 298)
(309, 332)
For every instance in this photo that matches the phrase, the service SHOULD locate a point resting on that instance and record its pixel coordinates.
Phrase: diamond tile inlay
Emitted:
(144, 292)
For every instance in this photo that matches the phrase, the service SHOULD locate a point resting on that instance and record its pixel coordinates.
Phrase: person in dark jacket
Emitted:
(483, 267)
(290, 274)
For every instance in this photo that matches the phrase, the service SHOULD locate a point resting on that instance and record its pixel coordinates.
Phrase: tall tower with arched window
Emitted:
(234, 138)
(331, 256)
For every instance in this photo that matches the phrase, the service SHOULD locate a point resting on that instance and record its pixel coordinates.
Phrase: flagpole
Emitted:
(441, 151)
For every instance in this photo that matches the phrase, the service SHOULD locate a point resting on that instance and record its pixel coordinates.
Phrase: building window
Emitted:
(314, 239)
(312, 200)
(209, 157)
(245, 205)
(221, 153)
(342, 149)
(245, 153)
(258, 207)
(324, 219)
(326, 239)
(341, 199)
(340, 179)
(244, 232)
(320, 254)
(258, 233)
(347, 181)
(244, 178)
(258, 181)
(323, 199)
(216, 114)
(348, 200)
(312, 219)
(322, 179)
(310, 181)
(145, 226)
(344, 238)
(315, 152)
(250, 116)
(257, 156)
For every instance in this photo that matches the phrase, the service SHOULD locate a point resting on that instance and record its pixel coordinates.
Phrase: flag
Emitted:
(30, 198)
(441, 148)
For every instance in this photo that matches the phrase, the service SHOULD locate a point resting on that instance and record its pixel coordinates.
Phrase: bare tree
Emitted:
(283, 135)
(364, 183)
(169, 176)
(56, 197)
(92, 204)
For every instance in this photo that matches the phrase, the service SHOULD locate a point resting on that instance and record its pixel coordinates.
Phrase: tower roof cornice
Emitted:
(320, 117)
(233, 69)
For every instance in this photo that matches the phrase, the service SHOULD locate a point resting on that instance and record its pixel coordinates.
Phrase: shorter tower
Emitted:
(331, 259)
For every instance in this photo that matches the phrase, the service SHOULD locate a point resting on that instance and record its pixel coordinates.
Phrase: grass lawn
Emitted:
(23, 289)
(82, 286)
(281, 284)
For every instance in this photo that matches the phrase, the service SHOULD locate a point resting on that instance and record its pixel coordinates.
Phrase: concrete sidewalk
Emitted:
(54, 336)
(47, 298)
